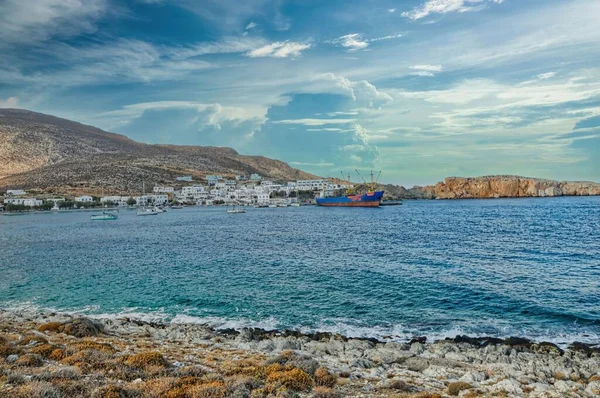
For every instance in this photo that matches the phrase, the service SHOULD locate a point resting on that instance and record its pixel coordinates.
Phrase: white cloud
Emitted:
(11, 102)
(251, 25)
(352, 41)
(546, 76)
(314, 122)
(28, 21)
(392, 10)
(396, 36)
(428, 68)
(285, 49)
(446, 6)
(362, 92)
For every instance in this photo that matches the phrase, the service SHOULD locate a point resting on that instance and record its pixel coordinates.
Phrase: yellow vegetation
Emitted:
(216, 389)
(44, 350)
(50, 327)
(559, 376)
(146, 359)
(295, 379)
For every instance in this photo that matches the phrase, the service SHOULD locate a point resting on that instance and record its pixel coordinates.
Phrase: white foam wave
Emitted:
(344, 326)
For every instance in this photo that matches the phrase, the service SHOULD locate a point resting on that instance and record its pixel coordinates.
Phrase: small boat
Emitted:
(295, 205)
(282, 205)
(235, 211)
(104, 217)
(176, 207)
(147, 212)
(55, 207)
(272, 206)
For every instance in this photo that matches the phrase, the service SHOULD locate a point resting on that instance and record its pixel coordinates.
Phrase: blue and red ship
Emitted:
(370, 199)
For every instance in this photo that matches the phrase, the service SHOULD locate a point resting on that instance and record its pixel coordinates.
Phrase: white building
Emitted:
(30, 202)
(84, 198)
(255, 177)
(184, 178)
(163, 190)
(15, 192)
(118, 200)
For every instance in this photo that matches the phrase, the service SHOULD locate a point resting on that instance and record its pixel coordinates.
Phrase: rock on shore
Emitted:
(134, 358)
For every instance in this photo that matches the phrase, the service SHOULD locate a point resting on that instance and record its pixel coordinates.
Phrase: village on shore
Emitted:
(213, 190)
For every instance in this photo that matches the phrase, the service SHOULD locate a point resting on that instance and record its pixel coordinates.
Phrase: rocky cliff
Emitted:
(42, 151)
(508, 187)
(490, 187)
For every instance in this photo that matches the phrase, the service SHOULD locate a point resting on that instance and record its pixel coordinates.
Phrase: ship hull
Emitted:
(367, 200)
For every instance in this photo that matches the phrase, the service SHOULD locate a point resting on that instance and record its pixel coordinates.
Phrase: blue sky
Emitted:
(421, 89)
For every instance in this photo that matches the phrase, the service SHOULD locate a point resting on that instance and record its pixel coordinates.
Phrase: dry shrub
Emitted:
(398, 385)
(93, 345)
(88, 360)
(82, 327)
(323, 392)
(295, 379)
(157, 388)
(594, 378)
(325, 379)
(30, 361)
(110, 391)
(50, 327)
(119, 371)
(244, 367)
(44, 350)
(146, 359)
(456, 387)
(215, 389)
(6, 350)
(68, 373)
(26, 340)
(72, 388)
(57, 354)
(36, 389)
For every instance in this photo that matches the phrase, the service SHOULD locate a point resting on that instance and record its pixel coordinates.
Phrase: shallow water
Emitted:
(526, 267)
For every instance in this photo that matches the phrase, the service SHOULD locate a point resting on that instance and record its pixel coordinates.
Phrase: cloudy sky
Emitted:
(421, 89)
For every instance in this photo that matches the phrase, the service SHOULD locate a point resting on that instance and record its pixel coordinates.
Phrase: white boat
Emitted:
(235, 211)
(55, 207)
(295, 205)
(282, 205)
(147, 212)
(272, 206)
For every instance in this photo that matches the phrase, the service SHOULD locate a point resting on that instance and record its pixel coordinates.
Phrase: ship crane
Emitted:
(373, 181)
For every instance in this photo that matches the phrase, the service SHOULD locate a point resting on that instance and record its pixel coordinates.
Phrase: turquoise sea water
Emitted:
(526, 267)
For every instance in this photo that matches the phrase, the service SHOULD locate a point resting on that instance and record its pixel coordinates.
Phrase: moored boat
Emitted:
(370, 199)
(104, 217)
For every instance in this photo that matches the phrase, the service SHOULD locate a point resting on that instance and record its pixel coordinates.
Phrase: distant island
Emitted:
(51, 154)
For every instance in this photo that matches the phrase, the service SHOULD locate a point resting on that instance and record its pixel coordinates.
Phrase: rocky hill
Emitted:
(494, 187)
(42, 151)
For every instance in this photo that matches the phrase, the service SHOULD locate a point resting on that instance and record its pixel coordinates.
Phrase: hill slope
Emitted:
(42, 151)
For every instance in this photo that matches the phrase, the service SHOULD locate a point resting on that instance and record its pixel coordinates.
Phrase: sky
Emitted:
(420, 89)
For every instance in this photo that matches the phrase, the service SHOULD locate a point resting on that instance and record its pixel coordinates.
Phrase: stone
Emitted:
(12, 358)
(508, 385)
(473, 377)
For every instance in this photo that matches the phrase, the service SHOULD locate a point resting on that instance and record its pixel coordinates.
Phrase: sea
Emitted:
(504, 267)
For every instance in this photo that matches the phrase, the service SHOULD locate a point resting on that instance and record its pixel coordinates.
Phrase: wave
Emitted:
(351, 328)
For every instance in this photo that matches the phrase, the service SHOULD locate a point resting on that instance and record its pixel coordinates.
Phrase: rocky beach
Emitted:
(62, 355)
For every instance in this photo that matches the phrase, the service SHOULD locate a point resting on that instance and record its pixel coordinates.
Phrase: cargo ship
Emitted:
(371, 199)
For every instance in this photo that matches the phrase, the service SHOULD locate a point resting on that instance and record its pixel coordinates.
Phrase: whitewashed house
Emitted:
(84, 198)
(15, 192)
(163, 189)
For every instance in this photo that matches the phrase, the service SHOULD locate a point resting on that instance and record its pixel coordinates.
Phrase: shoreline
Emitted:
(362, 367)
